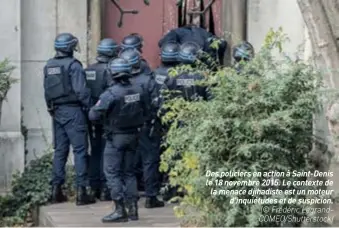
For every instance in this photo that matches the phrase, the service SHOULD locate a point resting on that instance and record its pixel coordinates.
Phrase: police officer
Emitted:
(203, 38)
(185, 82)
(134, 40)
(124, 107)
(98, 80)
(67, 100)
(169, 58)
(242, 52)
(148, 147)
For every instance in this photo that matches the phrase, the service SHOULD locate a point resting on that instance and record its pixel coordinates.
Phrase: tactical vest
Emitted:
(161, 75)
(57, 82)
(96, 77)
(187, 85)
(128, 109)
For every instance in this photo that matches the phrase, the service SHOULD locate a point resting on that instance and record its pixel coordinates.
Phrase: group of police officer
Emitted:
(118, 97)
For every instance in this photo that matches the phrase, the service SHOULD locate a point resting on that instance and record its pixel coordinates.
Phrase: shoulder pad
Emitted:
(76, 60)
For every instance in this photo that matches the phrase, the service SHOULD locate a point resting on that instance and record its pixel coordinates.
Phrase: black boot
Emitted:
(133, 211)
(57, 195)
(105, 194)
(170, 193)
(83, 198)
(95, 192)
(119, 214)
(153, 202)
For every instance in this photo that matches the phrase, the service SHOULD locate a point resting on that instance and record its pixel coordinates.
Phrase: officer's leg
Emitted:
(95, 160)
(138, 170)
(113, 160)
(129, 175)
(93, 171)
(61, 150)
(77, 133)
(150, 147)
(104, 192)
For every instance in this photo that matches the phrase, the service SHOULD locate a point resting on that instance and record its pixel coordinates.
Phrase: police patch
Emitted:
(54, 70)
(185, 82)
(91, 75)
(160, 79)
(132, 98)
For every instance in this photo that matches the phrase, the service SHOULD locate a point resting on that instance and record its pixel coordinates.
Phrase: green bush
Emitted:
(30, 190)
(5, 78)
(258, 121)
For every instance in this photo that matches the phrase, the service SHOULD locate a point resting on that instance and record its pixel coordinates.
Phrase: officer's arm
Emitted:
(78, 79)
(107, 82)
(48, 104)
(100, 109)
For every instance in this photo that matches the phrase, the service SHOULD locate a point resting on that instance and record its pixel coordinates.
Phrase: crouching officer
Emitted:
(98, 80)
(136, 41)
(67, 99)
(242, 53)
(124, 106)
(148, 148)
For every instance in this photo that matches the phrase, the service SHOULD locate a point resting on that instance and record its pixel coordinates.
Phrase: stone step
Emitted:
(70, 215)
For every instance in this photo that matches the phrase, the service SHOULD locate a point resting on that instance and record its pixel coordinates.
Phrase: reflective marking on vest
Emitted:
(132, 98)
(54, 70)
(91, 75)
(160, 79)
(185, 82)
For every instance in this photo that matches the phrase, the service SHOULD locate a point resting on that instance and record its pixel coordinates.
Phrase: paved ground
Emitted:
(69, 215)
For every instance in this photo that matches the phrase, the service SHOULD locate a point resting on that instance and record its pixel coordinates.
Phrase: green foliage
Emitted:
(5, 77)
(30, 190)
(258, 121)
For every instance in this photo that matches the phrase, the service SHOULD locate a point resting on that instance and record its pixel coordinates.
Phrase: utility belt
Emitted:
(54, 105)
(71, 104)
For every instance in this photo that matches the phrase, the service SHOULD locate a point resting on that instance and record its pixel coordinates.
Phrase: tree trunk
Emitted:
(321, 18)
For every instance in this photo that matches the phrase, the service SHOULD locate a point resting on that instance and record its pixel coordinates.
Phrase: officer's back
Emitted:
(123, 105)
(97, 77)
(187, 82)
(67, 98)
(169, 59)
(141, 77)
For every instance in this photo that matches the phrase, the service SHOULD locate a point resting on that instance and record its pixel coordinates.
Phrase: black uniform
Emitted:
(124, 108)
(67, 100)
(98, 80)
(148, 149)
(202, 37)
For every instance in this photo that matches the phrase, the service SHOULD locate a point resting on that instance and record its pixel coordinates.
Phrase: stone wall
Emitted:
(27, 32)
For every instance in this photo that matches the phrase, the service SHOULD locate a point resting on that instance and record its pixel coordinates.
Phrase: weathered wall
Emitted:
(41, 21)
(265, 14)
(11, 140)
(27, 32)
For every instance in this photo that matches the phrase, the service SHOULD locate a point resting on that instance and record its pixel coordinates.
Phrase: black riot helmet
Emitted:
(108, 47)
(189, 52)
(119, 68)
(133, 40)
(170, 52)
(243, 51)
(133, 57)
(66, 43)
